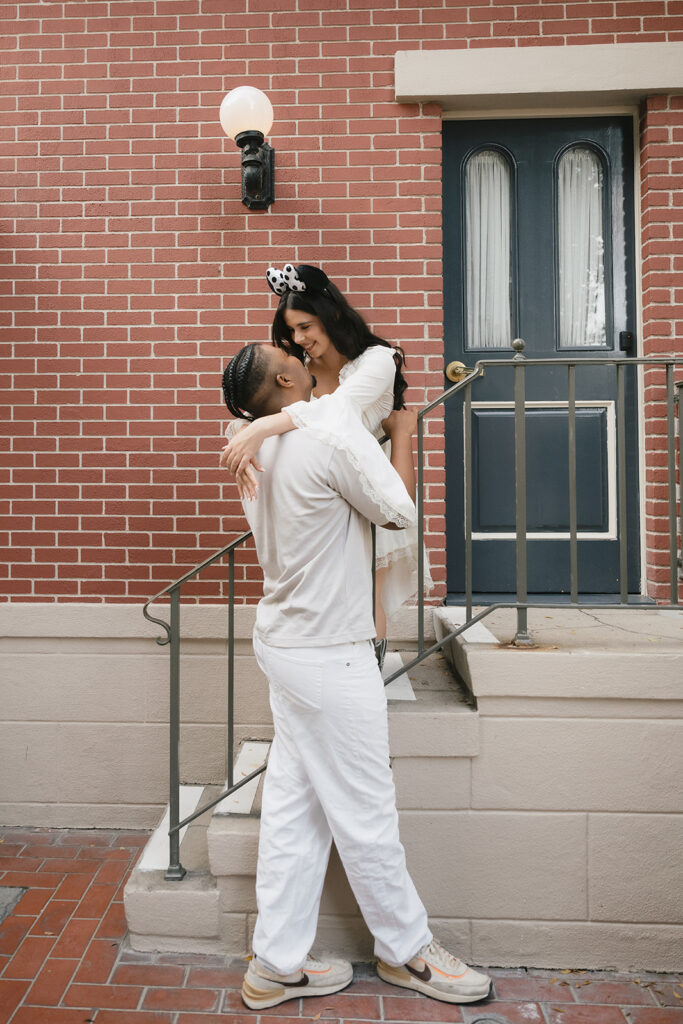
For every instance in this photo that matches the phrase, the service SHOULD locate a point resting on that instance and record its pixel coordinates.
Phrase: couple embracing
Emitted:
(313, 479)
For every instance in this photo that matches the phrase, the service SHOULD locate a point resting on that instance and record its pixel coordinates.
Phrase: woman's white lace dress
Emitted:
(368, 384)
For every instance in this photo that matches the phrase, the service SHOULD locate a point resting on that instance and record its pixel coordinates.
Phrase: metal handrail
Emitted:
(188, 576)
(175, 870)
(519, 363)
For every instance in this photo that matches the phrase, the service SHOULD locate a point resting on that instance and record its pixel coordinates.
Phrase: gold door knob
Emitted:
(456, 371)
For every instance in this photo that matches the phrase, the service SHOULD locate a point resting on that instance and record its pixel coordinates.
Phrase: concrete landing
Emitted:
(606, 653)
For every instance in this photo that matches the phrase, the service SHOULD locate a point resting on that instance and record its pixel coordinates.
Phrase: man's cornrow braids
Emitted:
(235, 382)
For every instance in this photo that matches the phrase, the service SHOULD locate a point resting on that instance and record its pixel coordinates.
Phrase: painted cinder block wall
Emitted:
(133, 271)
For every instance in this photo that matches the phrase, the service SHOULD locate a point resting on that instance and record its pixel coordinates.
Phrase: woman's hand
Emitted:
(245, 476)
(238, 457)
(242, 448)
(239, 454)
(400, 422)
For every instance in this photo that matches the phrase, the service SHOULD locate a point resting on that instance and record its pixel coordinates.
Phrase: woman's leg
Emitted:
(380, 617)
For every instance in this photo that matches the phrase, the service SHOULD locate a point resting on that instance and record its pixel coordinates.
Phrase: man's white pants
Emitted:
(329, 778)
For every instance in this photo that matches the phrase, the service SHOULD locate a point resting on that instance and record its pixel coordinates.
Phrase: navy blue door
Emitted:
(538, 244)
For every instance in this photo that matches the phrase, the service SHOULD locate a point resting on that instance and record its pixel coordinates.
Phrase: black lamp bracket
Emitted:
(258, 170)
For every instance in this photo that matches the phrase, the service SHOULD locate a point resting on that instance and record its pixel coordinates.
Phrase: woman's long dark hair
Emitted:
(344, 326)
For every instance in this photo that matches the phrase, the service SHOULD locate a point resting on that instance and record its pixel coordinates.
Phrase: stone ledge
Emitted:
(126, 621)
(577, 944)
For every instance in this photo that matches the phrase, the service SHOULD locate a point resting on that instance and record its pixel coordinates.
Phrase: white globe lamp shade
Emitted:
(246, 109)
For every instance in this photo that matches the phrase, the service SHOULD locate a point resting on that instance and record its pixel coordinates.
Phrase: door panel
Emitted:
(566, 258)
(493, 511)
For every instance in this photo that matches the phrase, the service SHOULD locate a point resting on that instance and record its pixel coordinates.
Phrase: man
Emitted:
(328, 774)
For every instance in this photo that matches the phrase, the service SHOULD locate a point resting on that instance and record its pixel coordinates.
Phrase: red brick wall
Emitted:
(662, 270)
(133, 271)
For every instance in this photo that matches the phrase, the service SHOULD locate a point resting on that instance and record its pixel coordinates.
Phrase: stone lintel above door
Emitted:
(496, 78)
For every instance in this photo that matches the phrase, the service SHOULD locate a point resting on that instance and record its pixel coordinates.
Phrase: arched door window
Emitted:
(581, 249)
(488, 268)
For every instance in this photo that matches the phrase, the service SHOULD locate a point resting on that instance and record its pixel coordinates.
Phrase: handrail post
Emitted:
(373, 535)
(468, 502)
(679, 405)
(420, 537)
(231, 667)
(175, 870)
(622, 501)
(522, 637)
(573, 513)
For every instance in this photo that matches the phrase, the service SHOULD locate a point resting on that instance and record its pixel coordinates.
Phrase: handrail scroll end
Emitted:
(159, 622)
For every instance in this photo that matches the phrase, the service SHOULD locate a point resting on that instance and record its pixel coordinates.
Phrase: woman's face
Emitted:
(308, 332)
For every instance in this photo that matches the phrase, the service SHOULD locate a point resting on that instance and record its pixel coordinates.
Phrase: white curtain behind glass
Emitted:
(581, 254)
(487, 251)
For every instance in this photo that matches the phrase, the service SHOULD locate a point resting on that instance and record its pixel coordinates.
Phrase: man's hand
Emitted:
(400, 422)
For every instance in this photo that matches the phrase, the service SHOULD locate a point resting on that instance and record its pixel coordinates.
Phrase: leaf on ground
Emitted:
(677, 995)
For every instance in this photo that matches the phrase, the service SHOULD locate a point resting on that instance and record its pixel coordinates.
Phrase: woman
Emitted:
(315, 321)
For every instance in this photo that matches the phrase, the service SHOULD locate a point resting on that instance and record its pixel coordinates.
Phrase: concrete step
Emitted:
(172, 916)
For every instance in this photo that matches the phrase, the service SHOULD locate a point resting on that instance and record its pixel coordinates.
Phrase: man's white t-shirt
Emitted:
(317, 496)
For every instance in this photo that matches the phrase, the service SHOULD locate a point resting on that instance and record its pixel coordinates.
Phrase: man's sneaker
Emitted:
(262, 988)
(436, 973)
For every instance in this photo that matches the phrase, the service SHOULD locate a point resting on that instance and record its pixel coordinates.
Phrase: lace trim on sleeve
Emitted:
(233, 428)
(339, 440)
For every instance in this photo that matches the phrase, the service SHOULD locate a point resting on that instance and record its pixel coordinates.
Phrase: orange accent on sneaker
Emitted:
(449, 975)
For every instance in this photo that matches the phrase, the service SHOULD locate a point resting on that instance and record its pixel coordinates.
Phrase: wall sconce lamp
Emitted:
(246, 117)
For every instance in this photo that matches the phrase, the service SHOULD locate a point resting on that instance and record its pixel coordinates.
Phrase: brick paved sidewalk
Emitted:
(64, 960)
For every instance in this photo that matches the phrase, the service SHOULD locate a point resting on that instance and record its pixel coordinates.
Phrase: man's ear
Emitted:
(284, 381)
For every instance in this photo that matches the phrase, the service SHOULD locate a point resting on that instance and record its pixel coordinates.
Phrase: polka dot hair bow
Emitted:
(284, 280)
